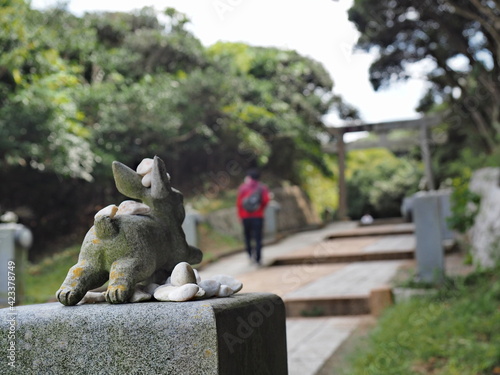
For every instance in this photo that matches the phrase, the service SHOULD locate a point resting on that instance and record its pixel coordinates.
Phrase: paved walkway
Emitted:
(238, 264)
(311, 341)
(333, 271)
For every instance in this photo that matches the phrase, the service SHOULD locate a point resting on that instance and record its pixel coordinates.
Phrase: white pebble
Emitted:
(231, 282)
(162, 293)
(201, 293)
(184, 293)
(140, 296)
(197, 275)
(133, 208)
(183, 274)
(211, 287)
(146, 180)
(93, 297)
(145, 166)
(107, 211)
(225, 291)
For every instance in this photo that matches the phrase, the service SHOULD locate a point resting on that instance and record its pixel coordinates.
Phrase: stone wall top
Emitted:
(243, 334)
(485, 233)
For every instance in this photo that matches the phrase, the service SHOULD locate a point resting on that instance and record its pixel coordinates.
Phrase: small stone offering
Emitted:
(140, 296)
(107, 211)
(93, 297)
(231, 282)
(224, 291)
(184, 293)
(182, 274)
(162, 293)
(211, 287)
(188, 286)
(146, 180)
(197, 274)
(145, 166)
(133, 208)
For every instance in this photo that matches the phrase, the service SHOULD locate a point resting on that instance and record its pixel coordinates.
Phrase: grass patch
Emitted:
(456, 332)
(224, 199)
(215, 244)
(43, 279)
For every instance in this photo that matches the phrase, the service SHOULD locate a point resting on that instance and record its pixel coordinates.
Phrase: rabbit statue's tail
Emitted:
(105, 226)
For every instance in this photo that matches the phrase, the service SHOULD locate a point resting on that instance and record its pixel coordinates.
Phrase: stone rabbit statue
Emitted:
(134, 243)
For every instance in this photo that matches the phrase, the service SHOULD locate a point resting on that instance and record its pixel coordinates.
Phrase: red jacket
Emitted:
(247, 188)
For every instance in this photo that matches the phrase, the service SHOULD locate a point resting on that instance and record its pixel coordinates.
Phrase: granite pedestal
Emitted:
(242, 334)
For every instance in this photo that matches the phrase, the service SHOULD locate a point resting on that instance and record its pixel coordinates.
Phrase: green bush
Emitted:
(464, 205)
(379, 181)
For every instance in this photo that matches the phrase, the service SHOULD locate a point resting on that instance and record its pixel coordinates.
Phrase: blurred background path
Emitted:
(334, 281)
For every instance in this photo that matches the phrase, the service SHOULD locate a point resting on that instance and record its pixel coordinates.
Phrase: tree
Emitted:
(79, 92)
(283, 100)
(379, 181)
(40, 125)
(461, 39)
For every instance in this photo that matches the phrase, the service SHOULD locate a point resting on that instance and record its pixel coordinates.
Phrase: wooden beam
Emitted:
(342, 214)
(387, 126)
(426, 156)
(391, 144)
(382, 127)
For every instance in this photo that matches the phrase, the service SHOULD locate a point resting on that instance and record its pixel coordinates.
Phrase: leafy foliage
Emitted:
(79, 92)
(322, 190)
(459, 42)
(40, 124)
(464, 206)
(379, 181)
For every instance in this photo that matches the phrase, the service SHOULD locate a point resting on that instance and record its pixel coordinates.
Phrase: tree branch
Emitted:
(483, 130)
(487, 11)
(486, 25)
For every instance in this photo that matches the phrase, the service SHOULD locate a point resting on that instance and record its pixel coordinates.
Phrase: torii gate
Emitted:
(382, 127)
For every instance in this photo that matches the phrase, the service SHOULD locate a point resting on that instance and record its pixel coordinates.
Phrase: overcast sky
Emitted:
(315, 28)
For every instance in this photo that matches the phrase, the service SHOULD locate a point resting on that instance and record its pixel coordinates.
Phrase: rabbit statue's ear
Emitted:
(127, 181)
(160, 180)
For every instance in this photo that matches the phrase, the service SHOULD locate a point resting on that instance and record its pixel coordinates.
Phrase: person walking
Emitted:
(253, 197)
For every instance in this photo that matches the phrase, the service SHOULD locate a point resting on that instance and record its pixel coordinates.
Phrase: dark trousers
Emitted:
(252, 228)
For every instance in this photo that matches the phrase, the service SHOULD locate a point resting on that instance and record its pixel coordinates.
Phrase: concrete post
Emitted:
(15, 239)
(426, 155)
(271, 220)
(445, 212)
(428, 230)
(342, 213)
(190, 226)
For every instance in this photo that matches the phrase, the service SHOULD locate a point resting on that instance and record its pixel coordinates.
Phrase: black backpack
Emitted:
(252, 202)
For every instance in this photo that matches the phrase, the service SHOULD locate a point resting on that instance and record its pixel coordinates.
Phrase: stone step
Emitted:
(327, 306)
(403, 254)
(373, 304)
(324, 289)
(352, 249)
(347, 258)
(376, 230)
